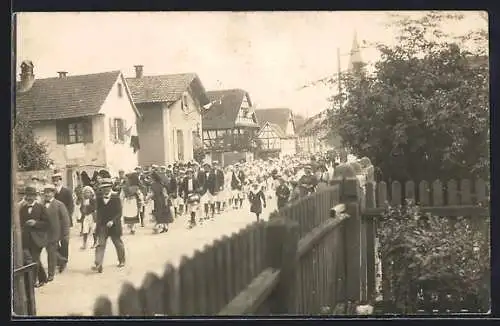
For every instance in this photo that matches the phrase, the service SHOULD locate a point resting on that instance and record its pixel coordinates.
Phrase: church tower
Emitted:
(355, 61)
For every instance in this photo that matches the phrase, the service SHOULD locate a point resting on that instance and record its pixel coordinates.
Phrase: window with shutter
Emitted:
(118, 130)
(73, 131)
(112, 133)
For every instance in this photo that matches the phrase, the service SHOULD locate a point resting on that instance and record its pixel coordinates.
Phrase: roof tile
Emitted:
(67, 97)
(161, 88)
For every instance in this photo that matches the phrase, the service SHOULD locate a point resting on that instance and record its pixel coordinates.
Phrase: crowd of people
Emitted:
(104, 207)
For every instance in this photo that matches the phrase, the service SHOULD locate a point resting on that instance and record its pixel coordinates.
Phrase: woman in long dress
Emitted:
(132, 199)
(88, 215)
(257, 200)
(161, 210)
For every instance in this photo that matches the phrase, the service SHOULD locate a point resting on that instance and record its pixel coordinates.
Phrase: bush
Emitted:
(435, 263)
(31, 153)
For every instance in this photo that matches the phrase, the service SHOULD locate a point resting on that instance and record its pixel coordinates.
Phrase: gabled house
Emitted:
(276, 136)
(87, 121)
(229, 126)
(170, 105)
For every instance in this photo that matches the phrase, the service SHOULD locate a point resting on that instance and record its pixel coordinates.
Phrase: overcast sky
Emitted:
(269, 54)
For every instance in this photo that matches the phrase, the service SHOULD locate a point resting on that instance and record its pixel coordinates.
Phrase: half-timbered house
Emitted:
(229, 126)
(276, 136)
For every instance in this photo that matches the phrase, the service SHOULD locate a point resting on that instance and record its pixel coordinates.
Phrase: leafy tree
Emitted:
(31, 153)
(423, 113)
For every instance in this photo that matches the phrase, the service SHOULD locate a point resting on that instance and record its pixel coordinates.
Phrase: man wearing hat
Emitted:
(57, 232)
(282, 192)
(219, 186)
(34, 222)
(308, 181)
(108, 224)
(36, 182)
(65, 196)
(205, 181)
(189, 190)
(237, 181)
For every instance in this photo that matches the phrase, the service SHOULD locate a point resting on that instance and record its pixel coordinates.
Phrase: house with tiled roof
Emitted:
(171, 106)
(229, 126)
(276, 136)
(85, 120)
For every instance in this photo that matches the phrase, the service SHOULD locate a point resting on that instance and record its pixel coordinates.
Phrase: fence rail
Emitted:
(297, 263)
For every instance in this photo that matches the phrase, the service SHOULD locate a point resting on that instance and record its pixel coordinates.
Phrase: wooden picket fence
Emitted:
(464, 198)
(299, 262)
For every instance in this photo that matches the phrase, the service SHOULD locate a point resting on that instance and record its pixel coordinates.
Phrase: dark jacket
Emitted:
(161, 209)
(58, 218)
(235, 184)
(202, 181)
(66, 197)
(112, 211)
(282, 192)
(220, 180)
(34, 236)
(257, 200)
(172, 187)
(211, 183)
(183, 189)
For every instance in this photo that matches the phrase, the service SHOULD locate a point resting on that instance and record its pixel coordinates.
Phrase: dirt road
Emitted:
(75, 290)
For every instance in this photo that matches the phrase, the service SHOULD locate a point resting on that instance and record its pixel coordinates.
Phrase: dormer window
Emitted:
(120, 90)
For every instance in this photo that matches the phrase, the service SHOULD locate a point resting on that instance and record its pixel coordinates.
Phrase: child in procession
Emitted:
(257, 200)
(88, 215)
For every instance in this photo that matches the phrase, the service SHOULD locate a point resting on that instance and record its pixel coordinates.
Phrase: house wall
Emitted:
(93, 153)
(177, 119)
(119, 155)
(151, 134)
(288, 146)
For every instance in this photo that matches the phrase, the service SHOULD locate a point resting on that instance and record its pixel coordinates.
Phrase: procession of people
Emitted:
(105, 207)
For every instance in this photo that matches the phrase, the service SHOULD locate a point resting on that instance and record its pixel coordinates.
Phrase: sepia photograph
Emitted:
(267, 163)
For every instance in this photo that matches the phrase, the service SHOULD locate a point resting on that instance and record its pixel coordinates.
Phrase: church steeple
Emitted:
(355, 60)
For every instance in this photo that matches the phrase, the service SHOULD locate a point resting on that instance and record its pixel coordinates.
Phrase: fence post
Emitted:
(350, 197)
(282, 245)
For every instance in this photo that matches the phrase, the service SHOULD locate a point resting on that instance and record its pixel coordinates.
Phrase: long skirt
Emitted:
(131, 219)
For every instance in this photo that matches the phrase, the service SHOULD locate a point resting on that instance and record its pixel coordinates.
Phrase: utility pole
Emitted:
(339, 75)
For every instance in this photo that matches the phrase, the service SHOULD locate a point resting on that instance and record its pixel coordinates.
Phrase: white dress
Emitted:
(130, 210)
(88, 224)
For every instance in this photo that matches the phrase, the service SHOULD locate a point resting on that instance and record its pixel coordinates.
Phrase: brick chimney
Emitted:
(62, 74)
(27, 76)
(138, 71)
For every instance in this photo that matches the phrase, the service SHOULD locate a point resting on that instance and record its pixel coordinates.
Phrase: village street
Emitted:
(76, 289)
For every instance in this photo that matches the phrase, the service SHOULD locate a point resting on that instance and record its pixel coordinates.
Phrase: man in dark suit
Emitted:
(190, 191)
(237, 181)
(57, 231)
(65, 196)
(219, 185)
(108, 224)
(34, 222)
